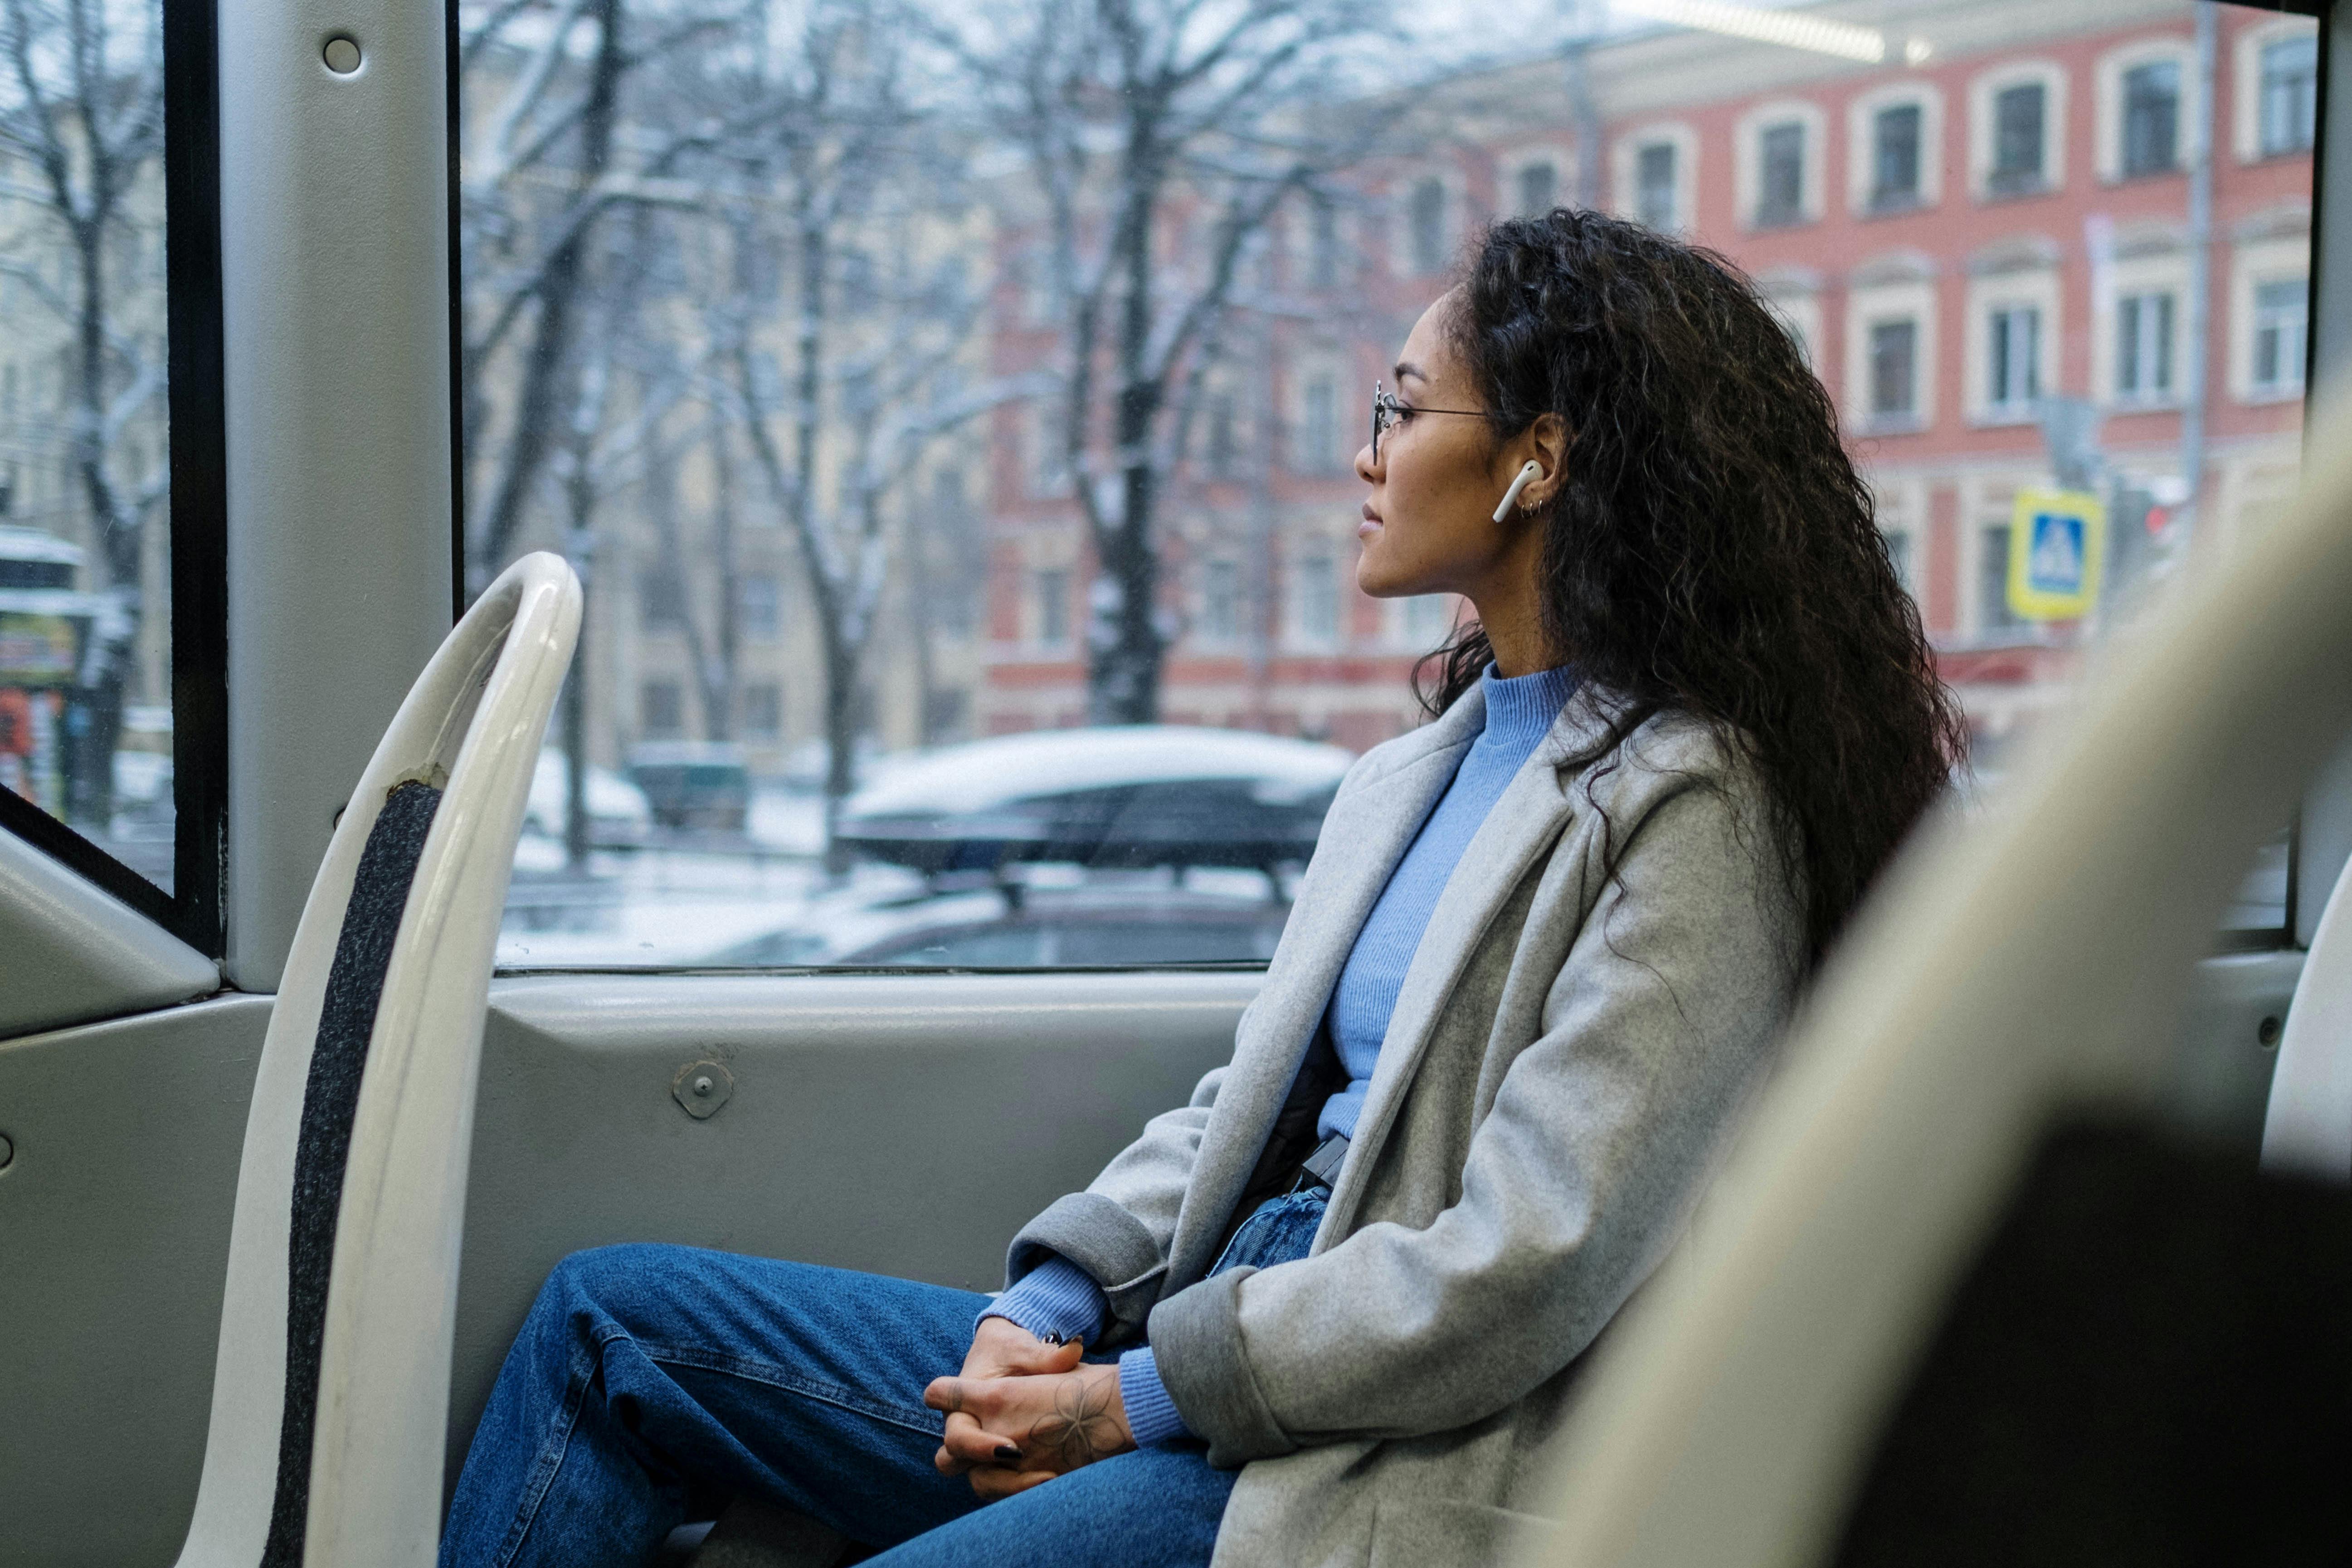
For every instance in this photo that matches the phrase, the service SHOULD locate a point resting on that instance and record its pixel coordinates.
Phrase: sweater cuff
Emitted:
(1057, 1301)
(1151, 1415)
(1196, 1338)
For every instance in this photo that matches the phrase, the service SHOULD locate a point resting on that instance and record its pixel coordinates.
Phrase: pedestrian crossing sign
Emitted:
(2057, 545)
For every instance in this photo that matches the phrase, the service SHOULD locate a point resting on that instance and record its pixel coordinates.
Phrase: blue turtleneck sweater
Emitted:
(1057, 1300)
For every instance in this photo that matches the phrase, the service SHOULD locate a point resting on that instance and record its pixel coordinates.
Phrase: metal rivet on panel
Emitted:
(2266, 1033)
(342, 56)
(702, 1088)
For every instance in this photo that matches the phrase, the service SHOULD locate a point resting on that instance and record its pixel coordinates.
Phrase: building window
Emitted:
(1053, 606)
(2144, 346)
(2017, 116)
(1315, 601)
(1780, 166)
(2290, 96)
(2278, 324)
(661, 710)
(1220, 602)
(759, 611)
(763, 713)
(1427, 219)
(661, 599)
(1539, 188)
(1654, 195)
(2151, 119)
(1894, 369)
(1223, 439)
(1894, 158)
(1323, 247)
(2013, 372)
(1898, 552)
(1318, 426)
(1428, 619)
(1992, 580)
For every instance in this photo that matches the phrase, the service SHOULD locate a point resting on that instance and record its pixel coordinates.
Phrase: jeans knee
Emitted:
(605, 1284)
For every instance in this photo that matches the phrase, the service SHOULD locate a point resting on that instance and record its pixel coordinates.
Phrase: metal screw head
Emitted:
(342, 56)
(8, 1150)
(2266, 1033)
(702, 1088)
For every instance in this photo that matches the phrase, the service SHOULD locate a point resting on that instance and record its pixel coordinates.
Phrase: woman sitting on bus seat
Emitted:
(1328, 1309)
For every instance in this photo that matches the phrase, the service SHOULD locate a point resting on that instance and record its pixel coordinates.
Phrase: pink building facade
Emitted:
(2007, 219)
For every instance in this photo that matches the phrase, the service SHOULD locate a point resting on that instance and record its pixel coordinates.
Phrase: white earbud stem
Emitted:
(1527, 471)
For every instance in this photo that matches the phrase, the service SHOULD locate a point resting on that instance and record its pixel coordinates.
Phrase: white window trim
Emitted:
(2246, 83)
(1298, 233)
(1200, 632)
(1401, 261)
(1988, 86)
(1901, 504)
(2263, 261)
(1311, 368)
(1625, 168)
(2110, 76)
(1882, 302)
(1748, 141)
(2034, 288)
(1295, 639)
(2163, 273)
(1862, 147)
(1560, 155)
(1799, 306)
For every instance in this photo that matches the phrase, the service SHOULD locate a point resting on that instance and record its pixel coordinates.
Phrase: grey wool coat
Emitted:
(1563, 1060)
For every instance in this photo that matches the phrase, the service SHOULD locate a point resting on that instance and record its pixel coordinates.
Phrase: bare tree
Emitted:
(83, 104)
(544, 168)
(870, 372)
(1136, 115)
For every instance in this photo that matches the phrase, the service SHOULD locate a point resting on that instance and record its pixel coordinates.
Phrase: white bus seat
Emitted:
(2007, 974)
(2308, 1129)
(330, 1387)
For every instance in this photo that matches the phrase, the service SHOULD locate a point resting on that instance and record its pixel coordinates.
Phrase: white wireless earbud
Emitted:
(1527, 471)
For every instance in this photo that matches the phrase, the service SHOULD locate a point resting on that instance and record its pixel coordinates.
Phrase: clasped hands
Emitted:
(1022, 1411)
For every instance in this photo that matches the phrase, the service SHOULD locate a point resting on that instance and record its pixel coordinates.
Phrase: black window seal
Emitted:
(198, 521)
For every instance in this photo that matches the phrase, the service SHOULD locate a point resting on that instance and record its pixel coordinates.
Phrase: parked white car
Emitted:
(618, 812)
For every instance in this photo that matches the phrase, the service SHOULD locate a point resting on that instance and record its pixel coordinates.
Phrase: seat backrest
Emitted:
(2308, 1129)
(2005, 975)
(330, 1387)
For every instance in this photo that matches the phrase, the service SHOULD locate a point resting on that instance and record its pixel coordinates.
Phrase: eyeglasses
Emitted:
(1388, 413)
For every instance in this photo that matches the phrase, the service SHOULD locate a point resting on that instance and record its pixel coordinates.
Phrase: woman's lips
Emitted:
(1371, 524)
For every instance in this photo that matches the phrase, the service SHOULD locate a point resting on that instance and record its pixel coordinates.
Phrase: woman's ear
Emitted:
(1547, 442)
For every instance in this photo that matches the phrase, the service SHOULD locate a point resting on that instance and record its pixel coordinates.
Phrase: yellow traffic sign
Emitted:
(2057, 546)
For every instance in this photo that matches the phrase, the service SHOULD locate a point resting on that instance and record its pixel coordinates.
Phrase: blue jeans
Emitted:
(648, 1380)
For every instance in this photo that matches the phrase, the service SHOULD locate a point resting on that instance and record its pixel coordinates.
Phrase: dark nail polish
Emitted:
(1007, 1452)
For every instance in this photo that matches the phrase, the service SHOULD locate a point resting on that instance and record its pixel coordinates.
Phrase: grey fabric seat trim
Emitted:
(380, 892)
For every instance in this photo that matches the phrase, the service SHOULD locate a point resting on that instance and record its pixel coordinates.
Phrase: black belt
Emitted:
(1321, 1169)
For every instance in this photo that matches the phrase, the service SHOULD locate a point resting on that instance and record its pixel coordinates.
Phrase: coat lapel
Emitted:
(1523, 826)
(1367, 832)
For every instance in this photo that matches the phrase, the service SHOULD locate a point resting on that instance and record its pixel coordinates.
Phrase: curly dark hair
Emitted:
(1712, 549)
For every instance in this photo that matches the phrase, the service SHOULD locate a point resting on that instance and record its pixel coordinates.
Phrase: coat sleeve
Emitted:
(1119, 1229)
(1671, 995)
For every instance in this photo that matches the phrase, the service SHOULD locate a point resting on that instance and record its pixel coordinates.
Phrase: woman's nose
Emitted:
(1368, 467)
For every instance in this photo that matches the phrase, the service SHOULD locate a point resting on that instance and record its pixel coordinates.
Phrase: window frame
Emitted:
(196, 523)
(1984, 138)
(1861, 149)
(2112, 67)
(1625, 169)
(1748, 149)
(2246, 84)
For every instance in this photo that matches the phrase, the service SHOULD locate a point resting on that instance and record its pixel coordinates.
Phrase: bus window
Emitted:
(85, 595)
(912, 639)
